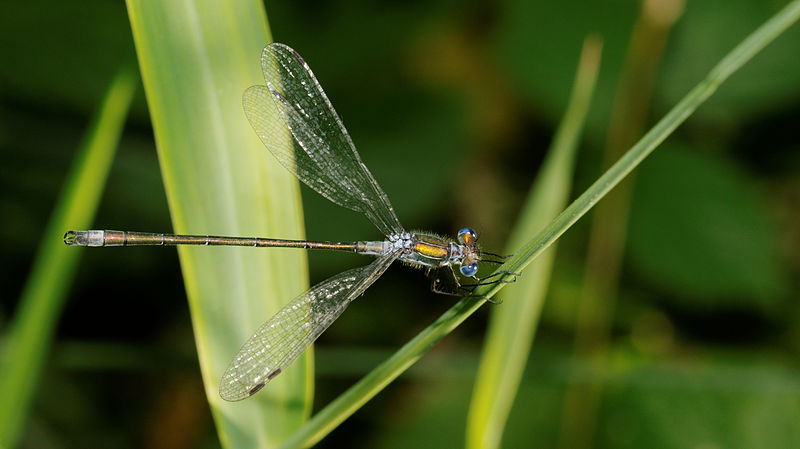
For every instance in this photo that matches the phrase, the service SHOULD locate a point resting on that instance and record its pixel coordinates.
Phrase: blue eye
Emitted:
(469, 269)
(467, 236)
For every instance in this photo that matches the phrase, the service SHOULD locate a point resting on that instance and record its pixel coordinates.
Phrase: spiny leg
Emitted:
(470, 288)
(484, 280)
(469, 293)
(500, 273)
(497, 256)
(444, 281)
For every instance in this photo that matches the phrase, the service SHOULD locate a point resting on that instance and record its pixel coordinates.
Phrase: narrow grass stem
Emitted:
(32, 328)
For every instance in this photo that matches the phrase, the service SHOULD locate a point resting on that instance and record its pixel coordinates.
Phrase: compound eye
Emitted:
(469, 270)
(467, 236)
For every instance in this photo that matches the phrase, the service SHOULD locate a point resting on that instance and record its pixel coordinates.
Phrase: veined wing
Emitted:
(282, 339)
(324, 158)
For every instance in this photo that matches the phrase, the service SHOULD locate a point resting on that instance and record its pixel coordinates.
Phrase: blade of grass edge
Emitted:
(196, 60)
(31, 330)
(512, 326)
(363, 390)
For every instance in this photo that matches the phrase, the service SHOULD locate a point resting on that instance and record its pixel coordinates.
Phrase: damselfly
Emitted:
(323, 156)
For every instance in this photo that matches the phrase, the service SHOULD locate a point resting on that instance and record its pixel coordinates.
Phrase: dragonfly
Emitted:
(322, 155)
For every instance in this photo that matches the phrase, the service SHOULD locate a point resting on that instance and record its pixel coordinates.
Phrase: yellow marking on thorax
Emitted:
(430, 250)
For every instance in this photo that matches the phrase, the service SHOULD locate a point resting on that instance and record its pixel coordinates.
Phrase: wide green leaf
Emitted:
(196, 59)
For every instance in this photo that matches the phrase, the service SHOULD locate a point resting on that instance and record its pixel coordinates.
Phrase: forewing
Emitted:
(324, 157)
(282, 339)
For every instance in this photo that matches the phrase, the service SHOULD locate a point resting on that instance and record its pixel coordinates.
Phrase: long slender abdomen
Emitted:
(126, 238)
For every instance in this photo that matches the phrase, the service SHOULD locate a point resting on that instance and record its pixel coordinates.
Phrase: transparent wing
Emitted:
(324, 156)
(279, 341)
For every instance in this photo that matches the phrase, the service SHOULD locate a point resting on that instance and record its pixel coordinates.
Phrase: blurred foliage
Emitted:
(452, 105)
(718, 250)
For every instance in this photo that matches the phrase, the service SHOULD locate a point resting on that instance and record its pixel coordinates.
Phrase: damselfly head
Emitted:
(468, 239)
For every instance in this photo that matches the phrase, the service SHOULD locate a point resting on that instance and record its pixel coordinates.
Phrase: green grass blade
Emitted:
(196, 60)
(347, 403)
(512, 326)
(31, 329)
